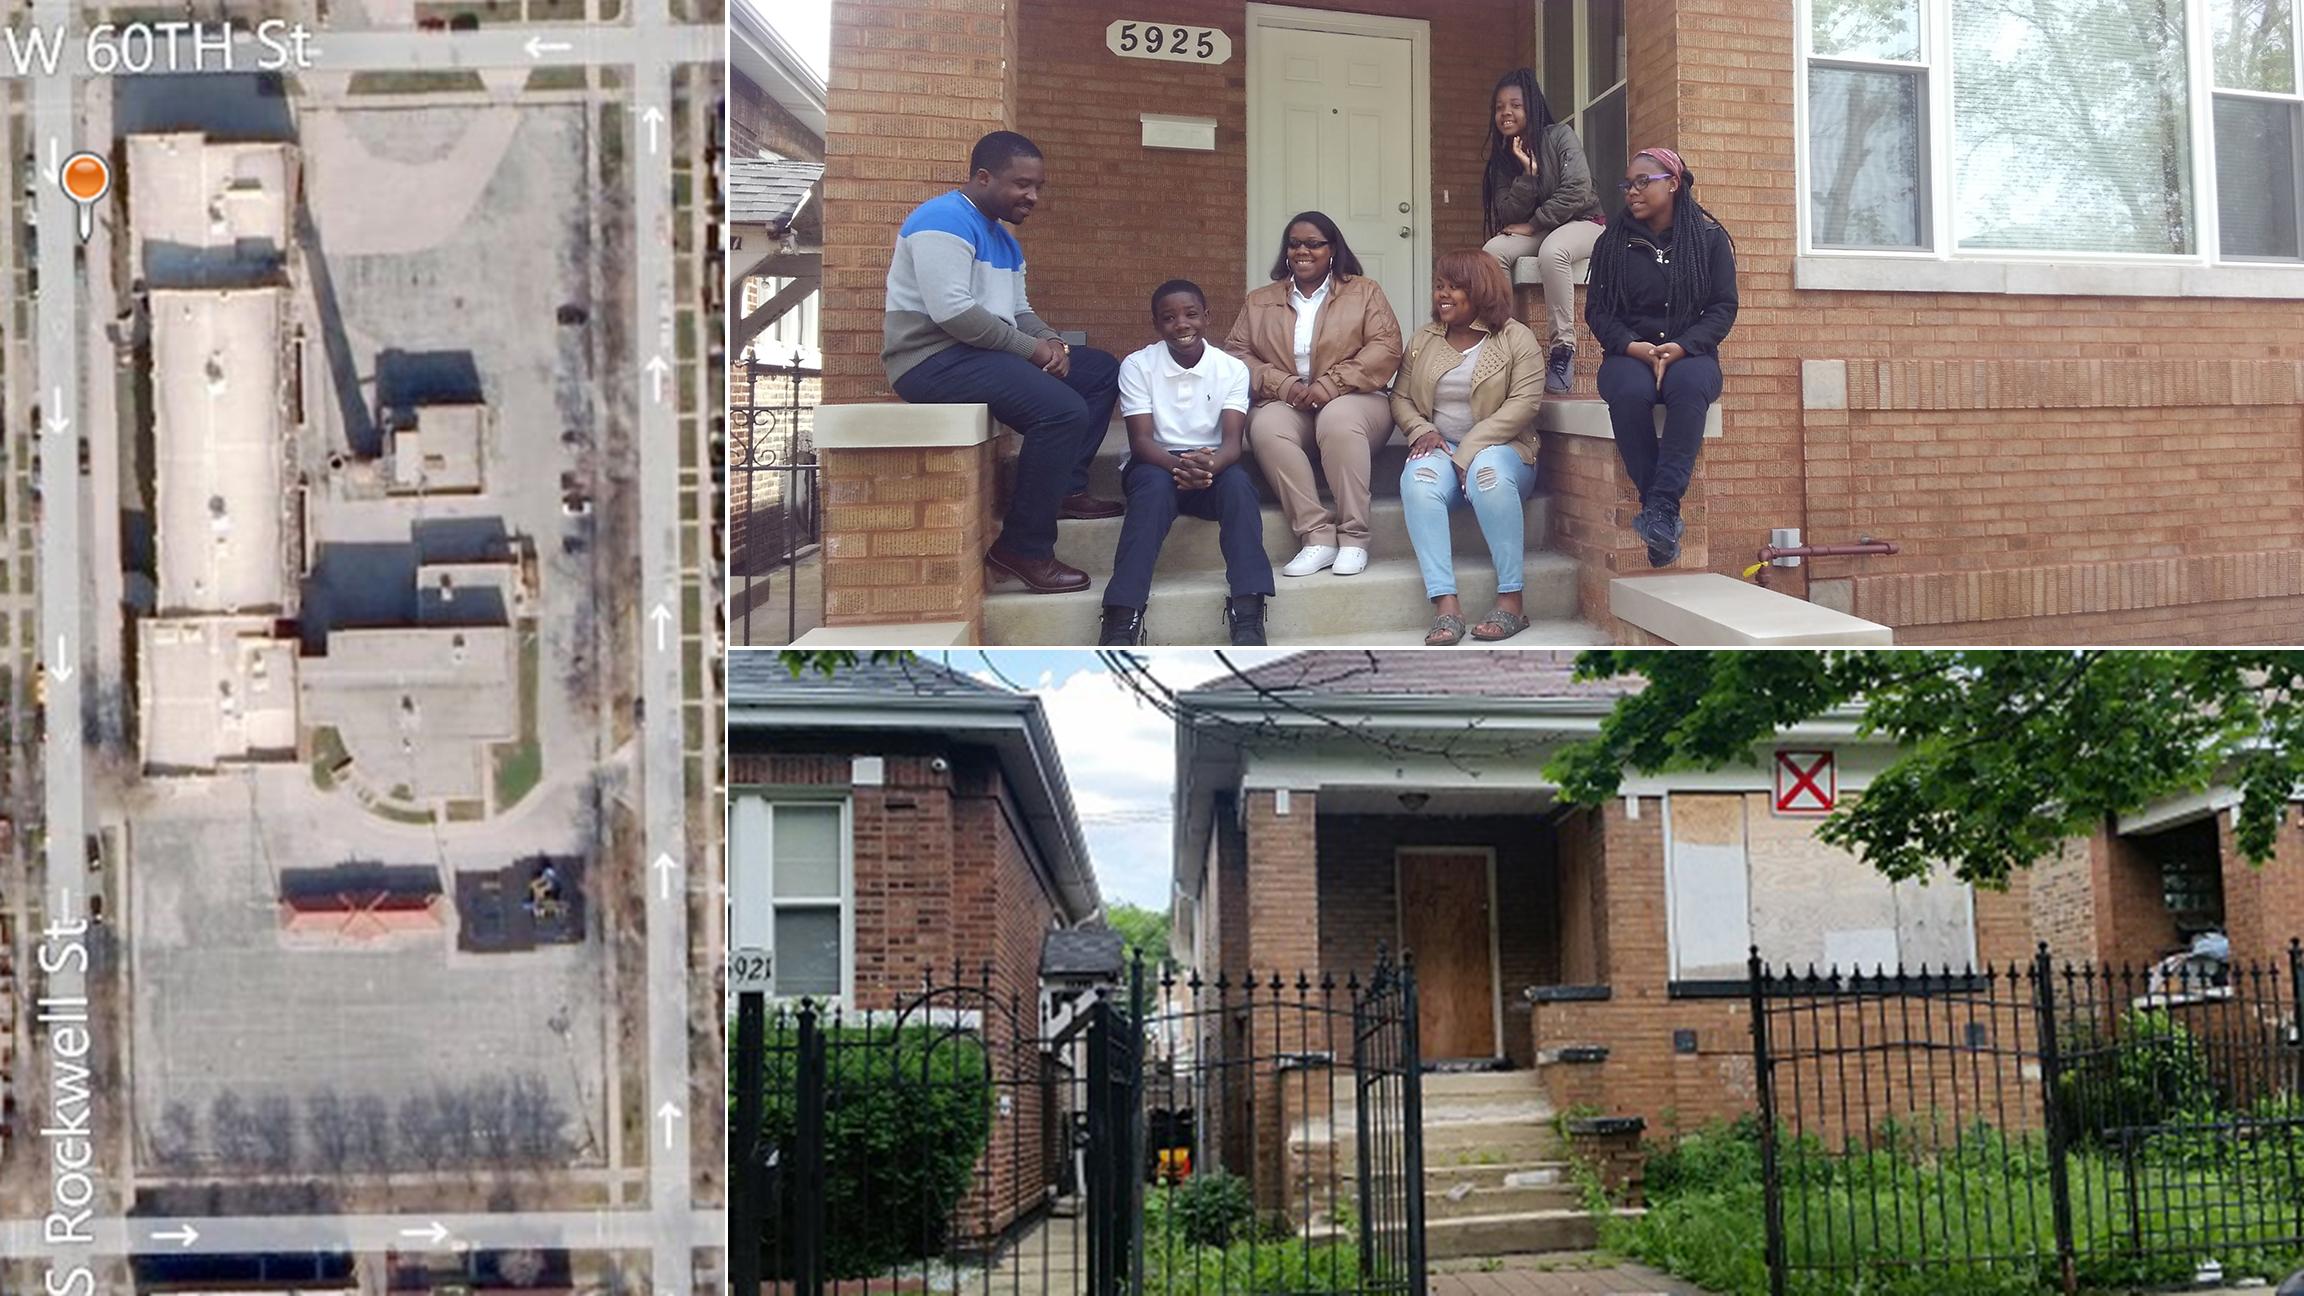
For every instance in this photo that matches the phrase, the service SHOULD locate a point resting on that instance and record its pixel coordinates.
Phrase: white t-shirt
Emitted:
(1307, 311)
(1452, 396)
(1187, 405)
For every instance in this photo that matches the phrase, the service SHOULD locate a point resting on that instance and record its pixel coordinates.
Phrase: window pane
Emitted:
(2069, 125)
(805, 862)
(1868, 29)
(807, 951)
(2256, 178)
(1559, 70)
(1603, 45)
(2255, 44)
(1865, 158)
(1605, 150)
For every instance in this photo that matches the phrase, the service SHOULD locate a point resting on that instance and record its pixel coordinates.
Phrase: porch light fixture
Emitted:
(1414, 801)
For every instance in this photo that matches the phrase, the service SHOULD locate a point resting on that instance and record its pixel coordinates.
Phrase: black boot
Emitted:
(1123, 627)
(1244, 616)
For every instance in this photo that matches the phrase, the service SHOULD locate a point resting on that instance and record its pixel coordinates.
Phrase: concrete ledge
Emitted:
(1528, 270)
(924, 634)
(2273, 280)
(892, 425)
(1709, 610)
(1588, 416)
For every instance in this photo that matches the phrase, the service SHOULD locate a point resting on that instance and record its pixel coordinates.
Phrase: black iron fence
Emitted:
(2042, 1124)
(775, 515)
(1178, 1135)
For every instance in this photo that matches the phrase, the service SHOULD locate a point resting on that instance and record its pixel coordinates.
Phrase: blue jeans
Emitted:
(1062, 421)
(1659, 466)
(1154, 503)
(1499, 484)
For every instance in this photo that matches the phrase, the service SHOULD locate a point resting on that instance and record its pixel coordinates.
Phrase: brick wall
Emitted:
(912, 88)
(2065, 908)
(903, 530)
(1359, 899)
(2264, 904)
(1080, 103)
(2077, 470)
(757, 122)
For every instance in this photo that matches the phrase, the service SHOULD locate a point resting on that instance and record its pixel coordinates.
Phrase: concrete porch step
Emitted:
(1193, 545)
(1519, 1233)
(1384, 604)
(1439, 1205)
(1502, 1174)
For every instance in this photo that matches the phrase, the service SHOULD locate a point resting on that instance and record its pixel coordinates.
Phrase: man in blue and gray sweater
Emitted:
(960, 330)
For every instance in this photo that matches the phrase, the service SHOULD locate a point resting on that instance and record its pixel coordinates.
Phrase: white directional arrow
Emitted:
(62, 670)
(668, 1114)
(57, 419)
(662, 616)
(657, 368)
(436, 1234)
(538, 47)
(183, 1235)
(665, 868)
(54, 170)
(654, 117)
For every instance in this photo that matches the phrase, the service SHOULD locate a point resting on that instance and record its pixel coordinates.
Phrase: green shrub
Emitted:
(1268, 1261)
(907, 1114)
(1212, 1209)
(2150, 1072)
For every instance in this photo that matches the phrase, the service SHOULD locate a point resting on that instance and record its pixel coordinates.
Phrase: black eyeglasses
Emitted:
(1308, 245)
(1638, 182)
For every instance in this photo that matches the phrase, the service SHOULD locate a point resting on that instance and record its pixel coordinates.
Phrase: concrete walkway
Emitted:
(1559, 1274)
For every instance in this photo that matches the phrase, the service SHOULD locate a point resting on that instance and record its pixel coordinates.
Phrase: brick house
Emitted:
(2074, 429)
(1329, 805)
(898, 819)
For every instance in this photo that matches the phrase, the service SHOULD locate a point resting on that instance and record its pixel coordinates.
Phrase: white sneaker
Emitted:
(1351, 561)
(1310, 559)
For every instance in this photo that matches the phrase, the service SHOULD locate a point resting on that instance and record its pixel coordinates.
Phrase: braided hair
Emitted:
(1503, 168)
(1690, 267)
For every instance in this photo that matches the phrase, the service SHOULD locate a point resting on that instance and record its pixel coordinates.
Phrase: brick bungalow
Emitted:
(1362, 809)
(900, 817)
(2076, 423)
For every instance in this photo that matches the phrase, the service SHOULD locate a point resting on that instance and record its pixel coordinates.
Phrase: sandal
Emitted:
(1447, 629)
(1513, 623)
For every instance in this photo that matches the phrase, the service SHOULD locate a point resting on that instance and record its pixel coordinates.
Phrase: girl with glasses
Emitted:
(1661, 300)
(1321, 344)
(1538, 200)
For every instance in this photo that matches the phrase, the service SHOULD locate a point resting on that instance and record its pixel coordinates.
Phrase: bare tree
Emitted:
(369, 1134)
(420, 1134)
(176, 1138)
(275, 1133)
(235, 1132)
(537, 1122)
(331, 1126)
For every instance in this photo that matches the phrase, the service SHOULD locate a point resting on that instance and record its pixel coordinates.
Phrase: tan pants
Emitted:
(1559, 251)
(1348, 431)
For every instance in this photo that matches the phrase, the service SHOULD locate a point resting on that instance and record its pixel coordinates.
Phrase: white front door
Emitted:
(1337, 123)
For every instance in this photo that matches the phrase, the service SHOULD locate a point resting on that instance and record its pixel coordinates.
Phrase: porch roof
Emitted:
(915, 695)
(1542, 673)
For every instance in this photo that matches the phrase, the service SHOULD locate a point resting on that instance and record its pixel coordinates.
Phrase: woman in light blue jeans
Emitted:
(1466, 399)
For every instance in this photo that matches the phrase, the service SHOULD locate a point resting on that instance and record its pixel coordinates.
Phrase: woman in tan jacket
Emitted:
(1321, 344)
(1466, 401)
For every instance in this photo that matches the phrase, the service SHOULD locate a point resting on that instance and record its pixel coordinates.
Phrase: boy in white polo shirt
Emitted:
(1186, 405)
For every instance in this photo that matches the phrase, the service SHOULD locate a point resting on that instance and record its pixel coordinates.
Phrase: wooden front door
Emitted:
(1445, 921)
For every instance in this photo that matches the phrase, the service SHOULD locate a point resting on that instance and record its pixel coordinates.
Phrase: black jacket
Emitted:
(1648, 307)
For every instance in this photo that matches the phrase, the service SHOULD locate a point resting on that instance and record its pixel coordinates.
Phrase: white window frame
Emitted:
(798, 330)
(752, 885)
(1944, 267)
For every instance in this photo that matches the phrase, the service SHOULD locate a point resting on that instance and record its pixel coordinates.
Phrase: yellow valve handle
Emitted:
(1753, 568)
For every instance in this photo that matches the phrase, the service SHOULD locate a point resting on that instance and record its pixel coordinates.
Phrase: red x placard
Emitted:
(1807, 782)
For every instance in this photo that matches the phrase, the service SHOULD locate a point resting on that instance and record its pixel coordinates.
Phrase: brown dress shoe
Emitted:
(1085, 505)
(1039, 575)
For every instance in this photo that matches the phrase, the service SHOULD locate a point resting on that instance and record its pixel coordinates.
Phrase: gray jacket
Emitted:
(1560, 191)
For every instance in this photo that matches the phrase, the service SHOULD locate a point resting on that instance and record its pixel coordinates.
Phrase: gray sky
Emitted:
(805, 23)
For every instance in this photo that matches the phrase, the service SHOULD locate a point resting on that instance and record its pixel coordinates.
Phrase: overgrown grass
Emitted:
(1203, 1237)
(520, 766)
(1969, 1215)
(327, 754)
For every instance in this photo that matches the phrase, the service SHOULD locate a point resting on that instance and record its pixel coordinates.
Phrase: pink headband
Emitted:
(1670, 159)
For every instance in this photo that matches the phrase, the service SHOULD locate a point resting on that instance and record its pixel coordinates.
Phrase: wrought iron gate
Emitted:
(1179, 1134)
(774, 512)
(2060, 1126)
